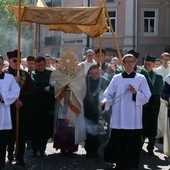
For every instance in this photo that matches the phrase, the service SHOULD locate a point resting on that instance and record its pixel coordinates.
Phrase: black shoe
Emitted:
(63, 152)
(11, 157)
(70, 154)
(89, 155)
(42, 154)
(34, 155)
(2, 166)
(150, 153)
(20, 163)
(9, 162)
(96, 155)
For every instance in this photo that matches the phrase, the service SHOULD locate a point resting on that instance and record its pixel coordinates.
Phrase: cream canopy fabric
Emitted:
(88, 20)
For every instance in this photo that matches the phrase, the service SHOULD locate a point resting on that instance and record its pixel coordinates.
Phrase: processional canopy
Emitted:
(89, 20)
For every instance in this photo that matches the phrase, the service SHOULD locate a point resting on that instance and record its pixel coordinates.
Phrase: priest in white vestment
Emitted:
(9, 92)
(126, 94)
(70, 89)
(89, 61)
(166, 96)
(163, 121)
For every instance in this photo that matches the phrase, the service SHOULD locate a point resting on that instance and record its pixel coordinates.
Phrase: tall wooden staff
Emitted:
(18, 69)
(100, 53)
(36, 39)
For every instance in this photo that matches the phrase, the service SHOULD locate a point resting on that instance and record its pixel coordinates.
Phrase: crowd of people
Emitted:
(110, 106)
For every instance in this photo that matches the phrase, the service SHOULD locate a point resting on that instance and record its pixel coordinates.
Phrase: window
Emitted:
(150, 22)
(112, 15)
(54, 3)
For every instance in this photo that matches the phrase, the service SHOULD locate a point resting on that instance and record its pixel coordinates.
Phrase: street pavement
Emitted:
(56, 161)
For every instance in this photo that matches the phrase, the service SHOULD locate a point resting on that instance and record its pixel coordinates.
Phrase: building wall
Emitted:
(130, 33)
(129, 28)
(156, 44)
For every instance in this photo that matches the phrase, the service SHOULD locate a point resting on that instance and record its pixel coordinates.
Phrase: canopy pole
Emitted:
(18, 70)
(36, 40)
(113, 36)
(100, 53)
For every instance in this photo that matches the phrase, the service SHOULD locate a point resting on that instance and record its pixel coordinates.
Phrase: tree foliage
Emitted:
(8, 27)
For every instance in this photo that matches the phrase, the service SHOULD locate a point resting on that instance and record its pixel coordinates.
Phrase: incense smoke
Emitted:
(9, 40)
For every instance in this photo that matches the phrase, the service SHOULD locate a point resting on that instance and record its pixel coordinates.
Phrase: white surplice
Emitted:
(163, 121)
(86, 65)
(9, 90)
(126, 113)
(162, 71)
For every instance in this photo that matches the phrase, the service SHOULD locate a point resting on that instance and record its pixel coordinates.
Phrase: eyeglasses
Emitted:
(14, 61)
(128, 61)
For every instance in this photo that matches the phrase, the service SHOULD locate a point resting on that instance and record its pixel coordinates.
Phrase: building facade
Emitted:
(142, 25)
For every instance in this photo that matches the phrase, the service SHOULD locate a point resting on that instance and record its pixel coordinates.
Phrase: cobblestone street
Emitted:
(56, 161)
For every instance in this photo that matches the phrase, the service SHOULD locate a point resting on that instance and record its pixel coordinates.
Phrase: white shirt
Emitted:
(9, 90)
(167, 79)
(87, 66)
(126, 113)
(162, 71)
(51, 68)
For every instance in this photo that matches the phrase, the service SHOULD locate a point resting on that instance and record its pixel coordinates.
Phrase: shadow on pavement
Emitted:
(56, 161)
(156, 162)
